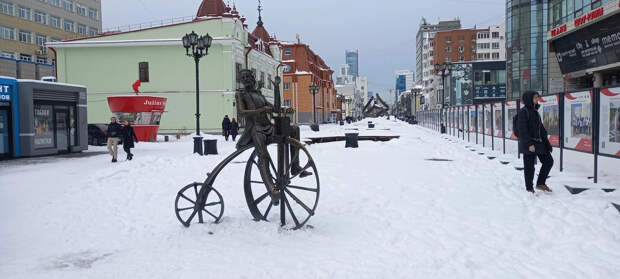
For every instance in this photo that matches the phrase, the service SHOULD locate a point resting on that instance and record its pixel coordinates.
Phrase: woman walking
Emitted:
(534, 142)
(129, 135)
(234, 128)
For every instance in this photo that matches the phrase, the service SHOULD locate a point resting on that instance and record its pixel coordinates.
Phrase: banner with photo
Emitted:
(472, 118)
(497, 120)
(480, 124)
(550, 113)
(610, 122)
(510, 111)
(488, 119)
(578, 121)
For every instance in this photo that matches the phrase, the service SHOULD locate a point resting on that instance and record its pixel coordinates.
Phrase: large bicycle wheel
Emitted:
(299, 196)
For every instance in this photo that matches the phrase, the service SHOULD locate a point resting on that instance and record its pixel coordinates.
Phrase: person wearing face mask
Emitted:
(534, 142)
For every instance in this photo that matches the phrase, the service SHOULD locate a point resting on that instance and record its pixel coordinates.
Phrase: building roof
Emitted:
(211, 8)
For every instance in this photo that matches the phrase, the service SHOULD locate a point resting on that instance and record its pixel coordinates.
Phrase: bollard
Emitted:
(351, 140)
(165, 138)
(198, 145)
(314, 127)
(210, 146)
(341, 123)
(371, 125)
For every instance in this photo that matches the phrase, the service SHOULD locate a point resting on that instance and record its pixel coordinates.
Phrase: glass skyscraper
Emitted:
(352, 59)
(526, 46)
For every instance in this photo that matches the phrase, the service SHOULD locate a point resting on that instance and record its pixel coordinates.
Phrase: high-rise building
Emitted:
(26, 25)
(404, 81)
(491, 43)
(352, 59)
(526, 47)
(424, 50)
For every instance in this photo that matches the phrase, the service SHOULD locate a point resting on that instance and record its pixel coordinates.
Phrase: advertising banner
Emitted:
(497, 120)
(488, 118)
(550, 114)
(578, 121)
(462, 85)
(480, 114)
(610, 122)
(472, 118)
(510, 111)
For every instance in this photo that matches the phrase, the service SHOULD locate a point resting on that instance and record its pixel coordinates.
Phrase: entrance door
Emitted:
(4, 133)
(62, 130)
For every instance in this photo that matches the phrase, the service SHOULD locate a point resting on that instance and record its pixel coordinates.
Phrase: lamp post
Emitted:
(444, 70)
(197, 47)
(314, 89)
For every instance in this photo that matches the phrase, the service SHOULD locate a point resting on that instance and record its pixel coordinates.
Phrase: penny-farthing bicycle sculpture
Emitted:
(282, 183)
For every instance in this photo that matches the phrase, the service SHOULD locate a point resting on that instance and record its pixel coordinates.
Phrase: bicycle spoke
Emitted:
(196, 190)
(288, 205)
(213, 203)
(302, 188)
(183, 196)
(214, 217)
(298, 201)
(267, 212)
(260, 199)
(186, 208)
(257, 182)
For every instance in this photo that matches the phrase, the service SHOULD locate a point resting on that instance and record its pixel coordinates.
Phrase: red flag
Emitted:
(136, 86)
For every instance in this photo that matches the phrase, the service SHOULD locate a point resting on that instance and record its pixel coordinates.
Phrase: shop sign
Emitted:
(589, 17)
(5, 93)
(490, 91)
(558, 30)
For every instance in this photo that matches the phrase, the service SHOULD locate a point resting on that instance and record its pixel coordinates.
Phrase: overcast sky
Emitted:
(382, 30)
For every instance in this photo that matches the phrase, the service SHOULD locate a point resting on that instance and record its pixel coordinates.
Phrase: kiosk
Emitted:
(144, 111)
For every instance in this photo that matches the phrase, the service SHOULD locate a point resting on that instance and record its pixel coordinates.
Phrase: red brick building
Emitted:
(455, 46)
(304, 68)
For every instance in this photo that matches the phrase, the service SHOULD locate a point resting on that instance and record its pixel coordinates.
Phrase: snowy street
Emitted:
(384, 211)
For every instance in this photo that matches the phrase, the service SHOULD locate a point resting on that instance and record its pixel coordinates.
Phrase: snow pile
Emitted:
(384, 212)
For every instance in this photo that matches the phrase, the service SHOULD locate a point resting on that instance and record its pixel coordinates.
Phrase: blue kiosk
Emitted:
(9, 118)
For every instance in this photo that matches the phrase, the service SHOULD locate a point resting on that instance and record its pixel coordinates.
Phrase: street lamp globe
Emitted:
(437, 67)
(186, 43)
(193, 39)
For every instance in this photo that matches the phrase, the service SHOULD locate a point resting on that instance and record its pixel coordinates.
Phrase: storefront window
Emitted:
(156, 118)
(43, 126)
(72, 127)
(139, 118)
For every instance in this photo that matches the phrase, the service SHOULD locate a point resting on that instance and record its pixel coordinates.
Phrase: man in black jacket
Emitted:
(534, 141)
(114, 134)
(226, 127)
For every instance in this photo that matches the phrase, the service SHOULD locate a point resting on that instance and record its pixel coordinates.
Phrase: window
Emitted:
(92, 13)
(80, 10)
(82, 29)
(448, 59)
(448, 49)
(54, 39)
(262, 78)
(483, 35)
(461, 38)
(25, 36)
(473, 37)
(238, 68)
(254, 73)
(495, 55)
(143, 71)
(461, 58)
(7, 33)
(69, 25)
(287, 52)
(430, 54)
(495, 46)
(24, 12)
(40, 17)
(7, 54)
(287, 68)
(495, 35)
(41, 59)
(41, 39)
(92, 31)
(6, 8)
(287, 103)
(461, 49)
(25, 57)
(287, 85)
(69, 5)
(448, 39)
(55, 3)
(55, 21)
(484, 45)
(269, 85)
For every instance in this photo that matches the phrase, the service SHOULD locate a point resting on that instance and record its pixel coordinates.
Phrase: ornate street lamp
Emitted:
(197, 47)
(444, 70)
(314, 89)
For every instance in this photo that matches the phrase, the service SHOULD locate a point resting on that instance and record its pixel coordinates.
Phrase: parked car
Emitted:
(97, 134)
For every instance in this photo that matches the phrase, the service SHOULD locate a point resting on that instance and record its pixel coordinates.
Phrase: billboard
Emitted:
(472, 118)
(550, 115)
(462, 83)
(480, 114)
(510, 111)
(578, 121)
(610, 122)
(497, 120)
(488, 118)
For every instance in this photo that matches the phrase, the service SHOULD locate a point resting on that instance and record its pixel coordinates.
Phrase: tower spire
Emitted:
(260, 9)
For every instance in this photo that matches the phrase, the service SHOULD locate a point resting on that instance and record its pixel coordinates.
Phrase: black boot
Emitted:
(114, 160)
(272, 189)
(296, 169)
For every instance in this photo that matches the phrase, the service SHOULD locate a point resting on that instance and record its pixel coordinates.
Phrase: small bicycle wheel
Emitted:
(189, 207)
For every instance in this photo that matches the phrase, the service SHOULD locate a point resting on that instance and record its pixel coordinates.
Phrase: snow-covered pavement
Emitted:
(384, 212)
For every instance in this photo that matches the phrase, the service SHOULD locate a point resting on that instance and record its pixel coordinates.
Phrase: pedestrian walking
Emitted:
(226, 127)
(129, 137)
(534, 142)
(114, 134)
(234, 128)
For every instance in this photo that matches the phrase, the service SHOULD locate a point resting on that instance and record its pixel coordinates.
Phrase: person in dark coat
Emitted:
(129, 137)
(226, 127)
(534, 142)
(234, 128)
(114, 136)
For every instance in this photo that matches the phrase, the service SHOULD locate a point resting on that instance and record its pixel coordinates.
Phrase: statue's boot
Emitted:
(272, 189)
(295, 168)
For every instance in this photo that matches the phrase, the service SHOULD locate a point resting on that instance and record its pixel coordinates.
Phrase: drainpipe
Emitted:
(247, 53)
(55, 64)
